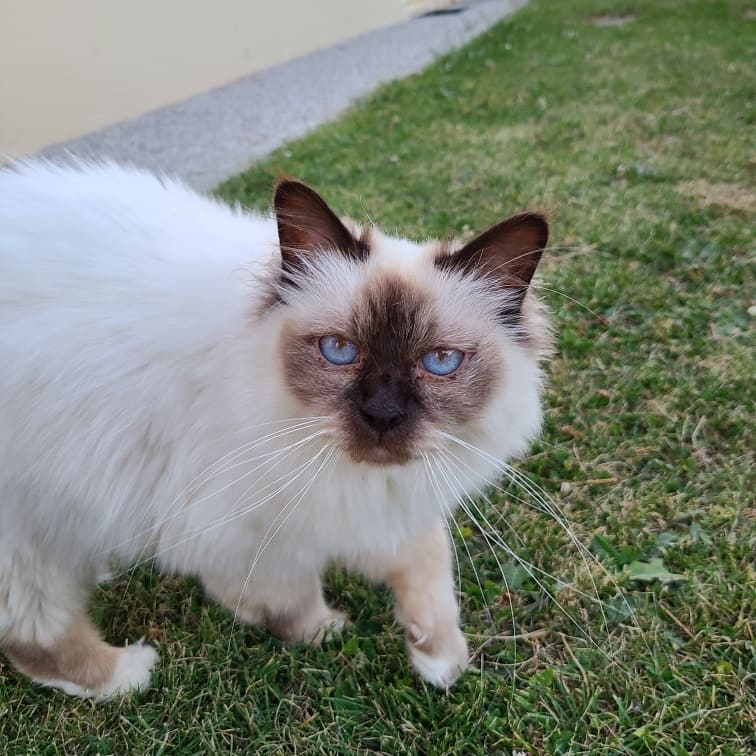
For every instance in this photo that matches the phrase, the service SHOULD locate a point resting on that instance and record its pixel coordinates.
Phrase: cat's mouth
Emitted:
(378, 454)
(390, 447)
(372, 448)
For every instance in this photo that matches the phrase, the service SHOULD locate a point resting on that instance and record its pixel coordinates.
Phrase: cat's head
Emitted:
(398, 343)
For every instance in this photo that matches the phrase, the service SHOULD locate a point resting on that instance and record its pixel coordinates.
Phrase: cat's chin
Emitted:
(380, 455)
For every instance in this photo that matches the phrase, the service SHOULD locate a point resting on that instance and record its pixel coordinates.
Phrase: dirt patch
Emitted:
(732, 196)
(750, 14)
(604, 21)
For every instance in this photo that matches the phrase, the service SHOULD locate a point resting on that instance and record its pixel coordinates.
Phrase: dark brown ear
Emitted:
(507, 253)
(306, 226)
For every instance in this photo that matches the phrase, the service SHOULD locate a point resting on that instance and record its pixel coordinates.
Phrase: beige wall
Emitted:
(68, 67)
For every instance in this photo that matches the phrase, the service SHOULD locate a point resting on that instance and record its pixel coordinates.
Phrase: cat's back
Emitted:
(125, 299)
(104, 222)
(115, 283)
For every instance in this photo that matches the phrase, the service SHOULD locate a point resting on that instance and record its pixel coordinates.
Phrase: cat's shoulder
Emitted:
(83, 182)
(81, 210)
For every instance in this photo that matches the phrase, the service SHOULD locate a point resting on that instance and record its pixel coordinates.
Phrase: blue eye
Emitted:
(442, 361)
(338, 351)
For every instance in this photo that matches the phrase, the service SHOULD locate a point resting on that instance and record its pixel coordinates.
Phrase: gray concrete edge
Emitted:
(210, 137)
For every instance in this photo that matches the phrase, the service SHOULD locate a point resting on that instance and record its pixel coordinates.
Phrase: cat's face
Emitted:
(396, 342)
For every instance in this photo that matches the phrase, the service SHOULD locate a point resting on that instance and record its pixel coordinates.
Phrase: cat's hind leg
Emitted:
(304, 616)
(82, 664)
(45, 632)
(293, 609)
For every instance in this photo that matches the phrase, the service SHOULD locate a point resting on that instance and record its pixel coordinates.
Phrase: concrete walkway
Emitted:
(210, 137)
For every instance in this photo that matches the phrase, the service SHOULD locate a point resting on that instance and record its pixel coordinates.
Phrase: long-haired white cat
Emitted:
(246, 399)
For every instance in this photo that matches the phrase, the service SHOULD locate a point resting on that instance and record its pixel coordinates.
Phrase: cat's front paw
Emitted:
(440, 657)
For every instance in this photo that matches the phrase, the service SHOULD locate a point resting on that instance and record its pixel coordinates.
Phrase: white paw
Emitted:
(133, 671)
(439, 661)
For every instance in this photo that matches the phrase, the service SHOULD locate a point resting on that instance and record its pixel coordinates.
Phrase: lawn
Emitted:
(633, 124)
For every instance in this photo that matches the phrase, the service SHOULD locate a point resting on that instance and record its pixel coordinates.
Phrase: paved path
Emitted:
(210, 137)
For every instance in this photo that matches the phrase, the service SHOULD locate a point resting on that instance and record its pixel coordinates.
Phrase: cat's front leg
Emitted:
(426, 606)
(291, 607)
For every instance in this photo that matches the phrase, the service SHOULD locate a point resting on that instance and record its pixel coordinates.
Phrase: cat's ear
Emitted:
(307, 226)
(507, 253)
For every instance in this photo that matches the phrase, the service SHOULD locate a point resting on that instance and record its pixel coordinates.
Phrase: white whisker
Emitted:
(172, 512)
(220, 465)
(445, 513)
(447, 473)
(546, 507)
(598, 317)
(268, 536)
(291, 476)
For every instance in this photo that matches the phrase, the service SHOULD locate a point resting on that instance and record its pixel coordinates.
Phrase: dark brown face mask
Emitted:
(381, 382)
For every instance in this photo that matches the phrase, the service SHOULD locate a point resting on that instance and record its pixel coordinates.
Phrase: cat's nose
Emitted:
(382, 416)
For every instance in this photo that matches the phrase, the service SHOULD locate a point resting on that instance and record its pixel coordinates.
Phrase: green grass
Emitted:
(639, 139)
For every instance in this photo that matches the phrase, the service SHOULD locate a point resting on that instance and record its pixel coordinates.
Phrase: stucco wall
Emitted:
(67, 68)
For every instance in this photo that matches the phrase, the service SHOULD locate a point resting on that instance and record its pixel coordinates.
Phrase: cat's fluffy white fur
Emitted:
(137, 351)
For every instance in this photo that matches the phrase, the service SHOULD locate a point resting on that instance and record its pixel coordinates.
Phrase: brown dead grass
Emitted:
(731, 196)
(610, 20)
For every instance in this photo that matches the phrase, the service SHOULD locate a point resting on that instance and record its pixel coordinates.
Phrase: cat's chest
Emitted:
(353, 515)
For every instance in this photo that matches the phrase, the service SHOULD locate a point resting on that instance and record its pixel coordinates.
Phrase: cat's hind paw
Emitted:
(133, 670)
(312, 627)
(330, 625)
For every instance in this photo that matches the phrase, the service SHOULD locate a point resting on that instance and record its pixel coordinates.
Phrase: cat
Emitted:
(247, 399)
